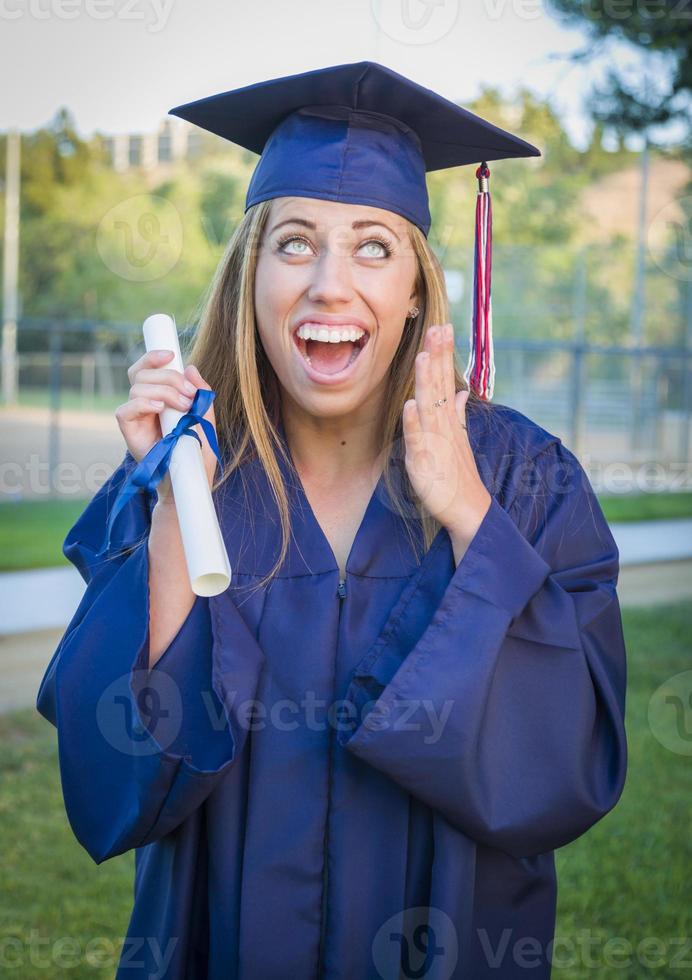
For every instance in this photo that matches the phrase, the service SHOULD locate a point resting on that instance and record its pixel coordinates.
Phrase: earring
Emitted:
(414, 312)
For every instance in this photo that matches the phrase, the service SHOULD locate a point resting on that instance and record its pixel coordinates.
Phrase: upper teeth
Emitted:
(317, 331)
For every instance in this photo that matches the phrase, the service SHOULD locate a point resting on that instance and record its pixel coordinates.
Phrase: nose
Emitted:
(331, 278)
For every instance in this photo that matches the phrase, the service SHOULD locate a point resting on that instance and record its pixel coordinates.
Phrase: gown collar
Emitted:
(381, 548)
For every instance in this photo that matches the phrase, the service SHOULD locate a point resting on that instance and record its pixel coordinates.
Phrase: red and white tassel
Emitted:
(480, 370)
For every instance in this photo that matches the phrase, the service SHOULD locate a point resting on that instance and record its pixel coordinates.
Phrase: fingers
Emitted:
(164, 376)
(441, 346)
(435, 375)
(161, 392)
(196, 378)
(424, 399)
(447, 357)
(167, 376)
(175, 389)
(137, 408)
(411, 425)
(152, 358)
(150, 380)
(154, 387)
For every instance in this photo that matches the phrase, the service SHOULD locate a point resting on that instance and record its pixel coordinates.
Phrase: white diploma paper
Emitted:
(205, 550)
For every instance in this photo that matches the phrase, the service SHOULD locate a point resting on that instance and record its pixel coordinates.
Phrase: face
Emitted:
(349, 270)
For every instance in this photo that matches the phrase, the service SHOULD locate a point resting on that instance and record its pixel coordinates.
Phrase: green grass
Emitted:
(32, 532)
(50, 889)
(647, 506)
(628, 878)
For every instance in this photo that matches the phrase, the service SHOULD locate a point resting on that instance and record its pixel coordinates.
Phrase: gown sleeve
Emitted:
(505, 711)
(139, 749)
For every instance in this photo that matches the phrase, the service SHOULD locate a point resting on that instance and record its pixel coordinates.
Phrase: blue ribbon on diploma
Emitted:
(152, 468)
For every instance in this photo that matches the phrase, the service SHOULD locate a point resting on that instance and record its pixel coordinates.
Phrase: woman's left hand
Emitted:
(439, 459)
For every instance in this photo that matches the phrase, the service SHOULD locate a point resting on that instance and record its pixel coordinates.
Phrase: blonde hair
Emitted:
(228, 353)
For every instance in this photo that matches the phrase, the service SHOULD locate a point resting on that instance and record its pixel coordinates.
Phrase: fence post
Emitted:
(10, 272)
(54, 423)
(687, 380)
(88, 380)
(639, 304)
(577, 399)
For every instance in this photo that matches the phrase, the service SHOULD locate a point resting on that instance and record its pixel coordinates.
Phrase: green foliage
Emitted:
(110, 247)
(221, 203)
(52, 158)
(658, 28)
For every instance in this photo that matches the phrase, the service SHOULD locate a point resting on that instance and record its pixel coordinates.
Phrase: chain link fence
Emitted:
(606, 369)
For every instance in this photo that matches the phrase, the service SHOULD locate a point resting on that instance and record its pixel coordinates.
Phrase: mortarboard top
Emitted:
(357, 132)
(364, 134)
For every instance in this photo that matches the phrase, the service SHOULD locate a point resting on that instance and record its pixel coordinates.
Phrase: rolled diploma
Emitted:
(205, 550)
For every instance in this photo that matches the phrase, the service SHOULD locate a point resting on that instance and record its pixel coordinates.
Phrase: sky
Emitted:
(120, 65)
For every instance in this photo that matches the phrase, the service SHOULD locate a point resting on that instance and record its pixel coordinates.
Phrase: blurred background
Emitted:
(111, 211)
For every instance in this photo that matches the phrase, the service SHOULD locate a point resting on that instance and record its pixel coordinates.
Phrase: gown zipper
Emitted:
(341, 592)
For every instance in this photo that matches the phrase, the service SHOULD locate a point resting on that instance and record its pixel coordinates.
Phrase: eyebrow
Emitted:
(310, 224)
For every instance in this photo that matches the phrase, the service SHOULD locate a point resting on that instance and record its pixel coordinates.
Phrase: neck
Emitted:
(329, 451)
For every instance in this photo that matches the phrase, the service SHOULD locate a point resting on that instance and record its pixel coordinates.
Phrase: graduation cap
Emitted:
(364, 134)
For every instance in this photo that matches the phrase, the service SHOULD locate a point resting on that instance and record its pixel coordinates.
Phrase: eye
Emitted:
(382, 247)
(293, 239)
(385, 248)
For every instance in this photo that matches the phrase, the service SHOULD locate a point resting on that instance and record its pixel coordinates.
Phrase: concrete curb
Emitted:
(61, 589)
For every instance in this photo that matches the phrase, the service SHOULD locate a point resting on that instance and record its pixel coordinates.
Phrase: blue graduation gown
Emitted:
(476, 725)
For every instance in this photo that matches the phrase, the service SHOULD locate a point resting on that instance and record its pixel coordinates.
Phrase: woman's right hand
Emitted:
(153, 386)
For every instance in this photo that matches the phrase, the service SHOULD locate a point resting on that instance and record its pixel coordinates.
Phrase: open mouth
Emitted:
(330, 357)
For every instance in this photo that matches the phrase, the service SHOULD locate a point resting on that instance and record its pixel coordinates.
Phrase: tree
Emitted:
(662, 29)
(52, 157)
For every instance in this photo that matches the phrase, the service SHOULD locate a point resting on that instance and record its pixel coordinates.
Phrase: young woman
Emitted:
(358, 760)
